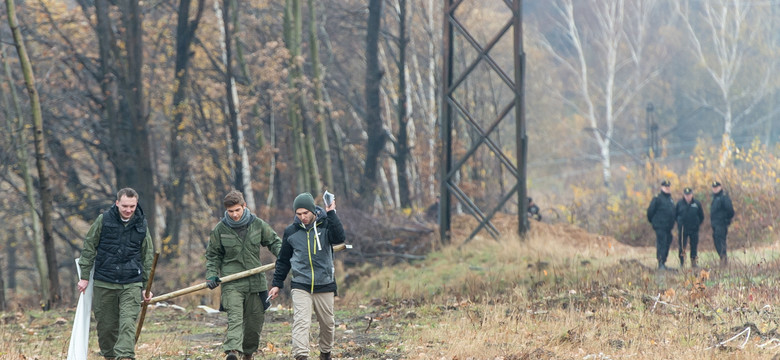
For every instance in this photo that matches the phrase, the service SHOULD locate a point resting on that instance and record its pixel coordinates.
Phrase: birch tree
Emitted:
(600, 50)
(723, 34)
(242, 179)
(51, 296)
(323, 145)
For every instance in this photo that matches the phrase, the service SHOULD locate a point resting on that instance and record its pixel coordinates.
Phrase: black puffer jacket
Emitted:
(120, 248)
(689, 216)
(662, 212)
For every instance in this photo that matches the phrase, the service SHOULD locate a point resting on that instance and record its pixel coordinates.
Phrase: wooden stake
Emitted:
(229, 278)
(146, 303)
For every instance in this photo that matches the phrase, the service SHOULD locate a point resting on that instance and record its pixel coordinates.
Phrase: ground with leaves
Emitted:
(561, 293)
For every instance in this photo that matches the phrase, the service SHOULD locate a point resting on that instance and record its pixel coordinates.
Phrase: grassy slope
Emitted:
(560, 294)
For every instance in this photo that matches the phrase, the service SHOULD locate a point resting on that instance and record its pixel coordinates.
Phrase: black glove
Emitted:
(213, 282)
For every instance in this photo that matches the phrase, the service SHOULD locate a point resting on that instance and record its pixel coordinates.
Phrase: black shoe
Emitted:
(325, 356)
(232, 355)
(662, 267)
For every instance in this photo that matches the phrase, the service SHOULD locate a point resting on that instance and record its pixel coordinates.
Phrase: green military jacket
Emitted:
(228, 253)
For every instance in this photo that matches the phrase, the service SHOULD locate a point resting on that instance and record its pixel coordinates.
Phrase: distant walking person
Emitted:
(120, 248)
(533, 210)
(721, 213)
(689, 217)
(662, 213)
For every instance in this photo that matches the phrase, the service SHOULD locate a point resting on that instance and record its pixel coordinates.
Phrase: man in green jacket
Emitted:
(234, 246)
(120, 248)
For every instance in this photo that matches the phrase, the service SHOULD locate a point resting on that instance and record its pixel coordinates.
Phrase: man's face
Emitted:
(306, 216)
(126, 206)
(688, 197)
(236, 211)
(665, 189)
(716, 189)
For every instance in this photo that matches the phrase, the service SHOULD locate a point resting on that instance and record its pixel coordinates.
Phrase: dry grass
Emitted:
(566, 294)
(560, 293)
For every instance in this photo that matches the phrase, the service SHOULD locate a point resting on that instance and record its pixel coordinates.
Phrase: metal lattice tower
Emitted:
(483, 128)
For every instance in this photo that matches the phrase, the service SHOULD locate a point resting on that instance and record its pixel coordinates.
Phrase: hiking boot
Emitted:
(301, 357)
(724, 261)
(661, 266)
(693, 263)
(325, 356)
(232, 355)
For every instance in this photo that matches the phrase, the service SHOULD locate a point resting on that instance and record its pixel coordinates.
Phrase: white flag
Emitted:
(79, 338)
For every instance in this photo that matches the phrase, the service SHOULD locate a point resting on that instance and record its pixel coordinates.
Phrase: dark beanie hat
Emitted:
(304, 201)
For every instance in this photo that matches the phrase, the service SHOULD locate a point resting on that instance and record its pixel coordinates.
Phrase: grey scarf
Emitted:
(245, 218)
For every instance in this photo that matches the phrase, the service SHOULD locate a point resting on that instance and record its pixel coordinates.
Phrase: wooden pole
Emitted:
(146, 303)
(229, 278)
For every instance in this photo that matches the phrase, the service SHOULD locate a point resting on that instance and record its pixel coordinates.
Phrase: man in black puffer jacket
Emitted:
(689, 217)
(119, 248)
(662, 214)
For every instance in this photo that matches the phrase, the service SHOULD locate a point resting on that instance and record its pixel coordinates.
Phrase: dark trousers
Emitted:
(719, 233)
(663, 239)
(683, 241)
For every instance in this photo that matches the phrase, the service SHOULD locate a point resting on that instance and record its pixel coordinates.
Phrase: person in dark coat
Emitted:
(662, 214)
(721, 213)
(533, 210)
(689, 217)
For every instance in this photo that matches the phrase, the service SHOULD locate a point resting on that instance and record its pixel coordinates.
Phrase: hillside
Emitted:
(562, 293)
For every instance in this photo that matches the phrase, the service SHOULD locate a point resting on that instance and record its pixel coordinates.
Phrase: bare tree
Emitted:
(722, 35)
(52, 296)
(179, 169)
(242, 179)
(125, 114)
(377, 136)
(319, 100)
(600, 49)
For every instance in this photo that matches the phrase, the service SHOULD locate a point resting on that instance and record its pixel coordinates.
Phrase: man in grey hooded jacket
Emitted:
(307, 252)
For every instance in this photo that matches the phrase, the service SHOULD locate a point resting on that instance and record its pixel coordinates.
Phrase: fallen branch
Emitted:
(747, 329)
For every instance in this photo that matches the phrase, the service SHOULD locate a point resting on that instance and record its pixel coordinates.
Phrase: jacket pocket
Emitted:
(232, 246)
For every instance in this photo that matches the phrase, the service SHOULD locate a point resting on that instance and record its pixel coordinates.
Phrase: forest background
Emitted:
(184, 100)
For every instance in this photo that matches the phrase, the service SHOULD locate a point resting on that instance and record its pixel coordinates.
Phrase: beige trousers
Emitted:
(303, 304)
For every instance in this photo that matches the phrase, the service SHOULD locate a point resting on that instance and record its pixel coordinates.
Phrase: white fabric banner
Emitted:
(79, 338)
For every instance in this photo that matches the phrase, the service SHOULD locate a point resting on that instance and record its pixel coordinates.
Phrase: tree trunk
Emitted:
(121, 66)
(402, 139)
(185, 34)
(140, 176)
(319, 101)
(47, 206)
(242, 180)
(376, 133)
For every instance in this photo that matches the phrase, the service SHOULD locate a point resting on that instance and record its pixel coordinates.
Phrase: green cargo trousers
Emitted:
(116, 313)
(245, 320)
